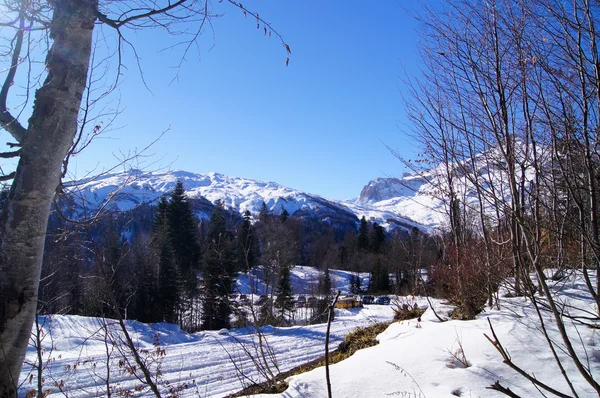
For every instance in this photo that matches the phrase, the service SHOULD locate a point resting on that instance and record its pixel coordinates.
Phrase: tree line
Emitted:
(163, 263)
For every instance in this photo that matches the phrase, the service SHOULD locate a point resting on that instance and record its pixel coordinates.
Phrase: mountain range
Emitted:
(403, 203)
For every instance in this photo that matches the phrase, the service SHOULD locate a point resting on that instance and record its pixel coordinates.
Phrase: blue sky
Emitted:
(318, 125)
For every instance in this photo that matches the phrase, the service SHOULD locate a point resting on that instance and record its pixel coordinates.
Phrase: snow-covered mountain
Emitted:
(416, 200)
(420, 195)
(414, 196)
(127, 190)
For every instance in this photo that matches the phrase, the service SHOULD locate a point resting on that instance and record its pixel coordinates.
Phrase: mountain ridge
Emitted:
(131, 188)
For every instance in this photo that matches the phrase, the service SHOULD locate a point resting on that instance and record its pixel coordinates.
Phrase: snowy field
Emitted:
(420, 361)
(205, 364)
(416, 359)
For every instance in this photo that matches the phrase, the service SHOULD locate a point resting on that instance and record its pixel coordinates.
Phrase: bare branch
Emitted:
(8, 155)
(8, 177)
(118, 23)
(508, 360)
(7, 120)
(506, 391)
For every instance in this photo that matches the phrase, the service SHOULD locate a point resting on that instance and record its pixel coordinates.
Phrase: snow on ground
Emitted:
(204, 362)
(416, 359)
(304, 280)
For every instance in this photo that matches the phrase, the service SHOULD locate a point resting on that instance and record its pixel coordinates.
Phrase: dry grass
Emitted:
(405, 311)
(357, 340)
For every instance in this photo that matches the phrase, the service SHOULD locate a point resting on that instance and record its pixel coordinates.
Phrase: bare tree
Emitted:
(509, 104)
(63, 32)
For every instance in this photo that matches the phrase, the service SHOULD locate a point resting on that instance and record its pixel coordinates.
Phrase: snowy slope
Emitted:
(206, 364)
(420, 196)
(244, 194)
(304, 280)
(413, 196)
(129, 189)
(413, 358)
(418, 359)
(416, 200)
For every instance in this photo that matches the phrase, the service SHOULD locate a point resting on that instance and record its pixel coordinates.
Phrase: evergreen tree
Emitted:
(320, 313)
(355, 284)
(284, 215)
(325, 283)
(183, 237)
(114, 267)
(147, 298)
(159, 222)
(263, 215)
(247, 243)
(284, 302)
(380, 278)
(220, 264)
(378, 239)
(362, 243)
(175, 240)
(169, 283)
(343, 256)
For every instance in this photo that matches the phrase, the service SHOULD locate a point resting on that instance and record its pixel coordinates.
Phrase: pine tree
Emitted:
(175, 239)
(220, 264)
(247, 243)
(384, 279)
(380, 278)
(284, 215)
(263, 215)
(354, 284)
(147, 299)
(325, 283)
(115, 265)
(378, 239)
(362, 243)
(169, 283)
(183, 237)
(374, 281)
(343, 256)
(159, 222)
(284, 302)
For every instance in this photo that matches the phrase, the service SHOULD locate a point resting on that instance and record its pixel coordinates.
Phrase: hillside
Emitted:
(454, 358)
(130, 189)
(421, 359)
(421, 195)
(416, 200)
(304, 280)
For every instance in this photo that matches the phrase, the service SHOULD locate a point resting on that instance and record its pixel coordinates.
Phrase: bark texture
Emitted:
(49, 136)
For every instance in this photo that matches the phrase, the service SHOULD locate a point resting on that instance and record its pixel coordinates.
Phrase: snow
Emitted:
(131, 188)
(420, 196)
(414, 358)
(242, 194)
(417, 200)
(203, 361)
(304, 280)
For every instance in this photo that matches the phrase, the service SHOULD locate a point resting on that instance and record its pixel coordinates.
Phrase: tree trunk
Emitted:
(49, 137)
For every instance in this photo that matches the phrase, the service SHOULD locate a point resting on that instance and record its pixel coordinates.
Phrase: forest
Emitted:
(505, 109)
(161, 262)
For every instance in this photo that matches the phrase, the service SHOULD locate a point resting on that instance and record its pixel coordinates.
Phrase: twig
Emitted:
(507, 360)
(504, 390)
